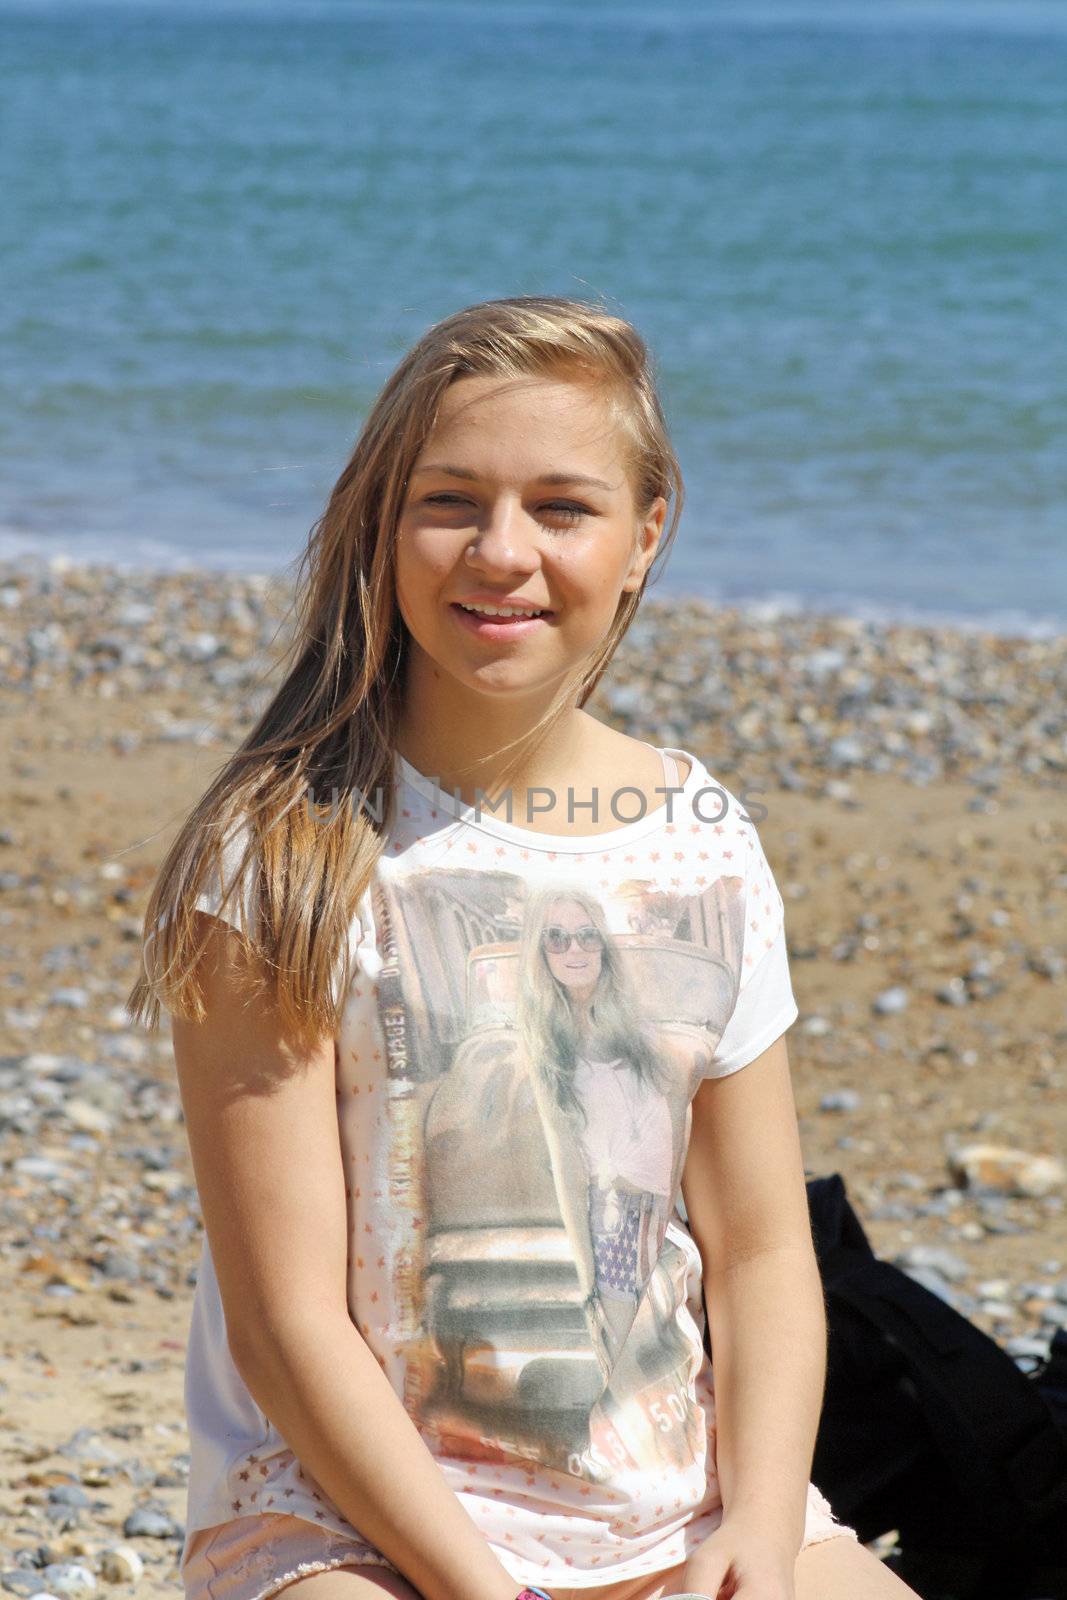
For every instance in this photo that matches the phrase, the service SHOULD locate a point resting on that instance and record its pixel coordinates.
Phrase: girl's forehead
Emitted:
(552, 406)
(550, 433)
(565, 906)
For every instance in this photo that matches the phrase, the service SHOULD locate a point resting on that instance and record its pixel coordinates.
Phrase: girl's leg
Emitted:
(841, 1568)
(648, 1588)
(833, 1569)
(378, 1583)
(352, 1583)
(662, 1583)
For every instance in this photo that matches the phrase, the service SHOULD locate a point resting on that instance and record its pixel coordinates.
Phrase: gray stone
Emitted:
(932, 1257)
(68, 1494)
(147, 1523)
(69, 1579)
(840, 1100)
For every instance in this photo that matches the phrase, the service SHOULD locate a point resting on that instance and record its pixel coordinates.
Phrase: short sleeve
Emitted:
(765, 1006)
(240, 909)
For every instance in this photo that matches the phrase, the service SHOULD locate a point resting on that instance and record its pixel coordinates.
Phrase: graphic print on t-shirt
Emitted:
(543, 1044)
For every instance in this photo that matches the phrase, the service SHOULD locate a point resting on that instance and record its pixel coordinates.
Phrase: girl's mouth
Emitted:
(499, 626)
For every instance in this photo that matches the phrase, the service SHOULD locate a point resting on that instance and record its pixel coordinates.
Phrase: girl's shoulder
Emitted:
(632, 761)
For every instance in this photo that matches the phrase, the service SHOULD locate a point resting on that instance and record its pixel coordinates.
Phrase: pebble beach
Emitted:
(912, 783)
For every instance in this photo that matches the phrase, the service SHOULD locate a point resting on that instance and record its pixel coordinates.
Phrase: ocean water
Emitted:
(842, 230)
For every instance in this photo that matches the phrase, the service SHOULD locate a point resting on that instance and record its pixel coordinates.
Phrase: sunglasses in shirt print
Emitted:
(554, 1063)
(557, 940)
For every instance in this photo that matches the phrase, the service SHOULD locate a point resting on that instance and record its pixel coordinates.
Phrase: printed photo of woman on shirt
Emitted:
(543, 1049)
(595, 1062)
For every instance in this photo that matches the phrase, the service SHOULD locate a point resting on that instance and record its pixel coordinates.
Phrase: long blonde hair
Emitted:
(330, 728)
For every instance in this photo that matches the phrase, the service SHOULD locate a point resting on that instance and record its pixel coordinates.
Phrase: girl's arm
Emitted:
(261, 1119)
(746, 1200)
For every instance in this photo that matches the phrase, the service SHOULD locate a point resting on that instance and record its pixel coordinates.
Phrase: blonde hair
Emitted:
(331, 725)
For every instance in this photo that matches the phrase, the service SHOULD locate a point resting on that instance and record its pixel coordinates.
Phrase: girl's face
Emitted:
(566, 932)
(519, 497)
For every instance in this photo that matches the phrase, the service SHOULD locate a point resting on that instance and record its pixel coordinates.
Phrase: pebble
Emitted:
(840, 1100)
(68, 1494)
(121, 1564)
(953, 993)
(1007, 1171)
(147, 1522)
(932, 1280)
(75, 999)
(87, 1117)
(68, 1579)
(970, 1231)
(21, 1582)
(999, 1310)
(932, 1257)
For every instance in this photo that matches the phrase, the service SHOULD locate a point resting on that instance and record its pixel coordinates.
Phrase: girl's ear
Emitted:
(646, 544)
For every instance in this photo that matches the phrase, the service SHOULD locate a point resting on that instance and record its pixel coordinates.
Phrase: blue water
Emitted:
(840, 228)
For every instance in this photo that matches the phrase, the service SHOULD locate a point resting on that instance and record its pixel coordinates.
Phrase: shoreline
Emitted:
(912, 779)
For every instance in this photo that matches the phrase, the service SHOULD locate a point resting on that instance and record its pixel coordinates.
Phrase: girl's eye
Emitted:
(567, 509)
(564, 508)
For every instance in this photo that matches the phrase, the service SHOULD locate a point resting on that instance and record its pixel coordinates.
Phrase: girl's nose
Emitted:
(508, 540)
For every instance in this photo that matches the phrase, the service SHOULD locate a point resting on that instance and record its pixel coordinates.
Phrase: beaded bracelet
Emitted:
(532, 1592)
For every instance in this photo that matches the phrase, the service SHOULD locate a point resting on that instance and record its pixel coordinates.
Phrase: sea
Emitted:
(841, 229)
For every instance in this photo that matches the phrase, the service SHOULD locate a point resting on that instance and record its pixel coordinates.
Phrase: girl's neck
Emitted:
(464, 759)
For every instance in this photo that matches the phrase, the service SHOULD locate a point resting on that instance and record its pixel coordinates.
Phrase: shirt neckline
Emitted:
(679, 801)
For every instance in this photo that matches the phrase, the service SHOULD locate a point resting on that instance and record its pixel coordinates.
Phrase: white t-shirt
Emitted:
(461, 1077)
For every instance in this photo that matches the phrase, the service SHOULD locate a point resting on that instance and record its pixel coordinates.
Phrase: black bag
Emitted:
(929, 1428)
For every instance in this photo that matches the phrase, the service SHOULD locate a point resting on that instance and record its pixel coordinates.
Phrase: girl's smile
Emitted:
(498, 628)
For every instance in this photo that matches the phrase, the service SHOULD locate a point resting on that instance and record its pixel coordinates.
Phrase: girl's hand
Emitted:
(741, 1560)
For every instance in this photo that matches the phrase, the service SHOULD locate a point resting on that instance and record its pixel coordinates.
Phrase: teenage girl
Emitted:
(447, 1336)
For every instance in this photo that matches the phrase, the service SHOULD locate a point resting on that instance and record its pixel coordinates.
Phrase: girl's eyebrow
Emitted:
(547, 477)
